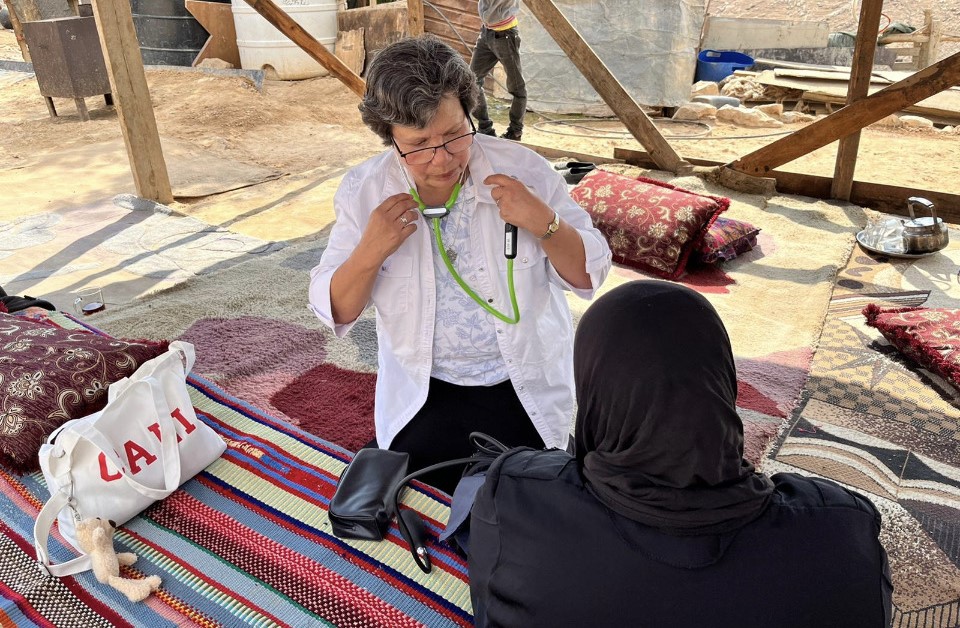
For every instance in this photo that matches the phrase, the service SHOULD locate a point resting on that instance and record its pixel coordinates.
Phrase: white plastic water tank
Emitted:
(262, 46)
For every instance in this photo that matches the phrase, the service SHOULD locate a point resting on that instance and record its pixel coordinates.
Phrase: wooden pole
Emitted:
(606, 84)
(121, 52)
(891, 199)
(415, 17)
(925, 83)
(289, 27)
(936, 35)
(17, 30)
(857, 89)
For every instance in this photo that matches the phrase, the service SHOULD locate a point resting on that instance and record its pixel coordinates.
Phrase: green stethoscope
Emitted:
(435, 213)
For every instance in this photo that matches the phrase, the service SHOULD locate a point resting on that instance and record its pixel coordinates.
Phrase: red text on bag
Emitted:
(136, 452)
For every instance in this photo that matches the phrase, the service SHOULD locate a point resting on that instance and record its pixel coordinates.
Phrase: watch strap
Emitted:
(552, 227)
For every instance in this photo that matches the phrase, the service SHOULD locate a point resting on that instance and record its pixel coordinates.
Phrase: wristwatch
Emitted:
(552, 227)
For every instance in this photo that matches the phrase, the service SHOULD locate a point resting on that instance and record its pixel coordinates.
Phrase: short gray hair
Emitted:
(407, 80)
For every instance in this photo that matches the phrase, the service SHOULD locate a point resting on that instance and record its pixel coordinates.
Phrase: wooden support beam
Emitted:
(121, 52)
(930, 49)
(26, 10)
(17, 30)
(606, 84)
(858, 87)
(289, 27)
(890, 199)
(560, 153)
(415, 17)
(925, 83)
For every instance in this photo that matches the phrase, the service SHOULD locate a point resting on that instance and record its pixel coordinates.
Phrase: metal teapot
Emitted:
(925, 234)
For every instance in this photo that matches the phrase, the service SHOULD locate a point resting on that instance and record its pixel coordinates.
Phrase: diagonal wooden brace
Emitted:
(932, 80)
(607, 85)
(289, 27)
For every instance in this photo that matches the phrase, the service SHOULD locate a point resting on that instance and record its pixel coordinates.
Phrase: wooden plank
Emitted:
(896, 38)
(606, 85)
(559, 153)
(829, 75)
(890, 199)
(415, 17)
(741, 33)
(777, 63)
(25, 10)
(455, 22)
(863, 52)
(382, 25)
(931, 48)
(17, 30)
(350, 50)
(121, 53)
(289, 27)
(217, 19)
(851, 118)
(946, 104)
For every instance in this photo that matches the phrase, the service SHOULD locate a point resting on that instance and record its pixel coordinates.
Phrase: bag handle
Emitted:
(41, 534)
(169, 451)
(410, 524)
(59, 499)
(148, 368)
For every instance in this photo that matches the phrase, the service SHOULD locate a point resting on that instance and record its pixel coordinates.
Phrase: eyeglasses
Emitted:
(425, 155)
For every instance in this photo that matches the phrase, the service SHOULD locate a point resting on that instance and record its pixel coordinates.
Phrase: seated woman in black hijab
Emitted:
(658, 520)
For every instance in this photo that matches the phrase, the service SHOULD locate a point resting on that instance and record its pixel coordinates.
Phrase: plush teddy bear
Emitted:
(96, 539)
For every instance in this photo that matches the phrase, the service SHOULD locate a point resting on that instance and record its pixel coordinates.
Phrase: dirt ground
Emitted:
(296, 126)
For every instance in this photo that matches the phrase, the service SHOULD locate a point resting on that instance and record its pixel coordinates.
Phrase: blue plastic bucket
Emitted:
(715, 65)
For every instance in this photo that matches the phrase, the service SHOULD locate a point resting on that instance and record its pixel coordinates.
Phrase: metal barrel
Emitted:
(167, 32)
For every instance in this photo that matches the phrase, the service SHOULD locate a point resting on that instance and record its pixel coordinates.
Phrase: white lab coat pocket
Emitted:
(391, 292)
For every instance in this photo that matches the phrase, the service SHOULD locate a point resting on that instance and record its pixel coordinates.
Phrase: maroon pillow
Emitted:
(50, 375)
(928, 336)
(650, 225)
(725, 239)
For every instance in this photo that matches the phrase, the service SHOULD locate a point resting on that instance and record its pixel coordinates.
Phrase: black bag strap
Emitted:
(411, 525)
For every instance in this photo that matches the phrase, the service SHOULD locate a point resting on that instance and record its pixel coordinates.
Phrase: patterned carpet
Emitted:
(872, 420)
(246, 542)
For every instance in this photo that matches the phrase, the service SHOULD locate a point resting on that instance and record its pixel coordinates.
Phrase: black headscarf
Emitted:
(658, 438)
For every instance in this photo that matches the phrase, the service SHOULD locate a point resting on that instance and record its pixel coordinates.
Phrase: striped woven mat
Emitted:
(246, 542)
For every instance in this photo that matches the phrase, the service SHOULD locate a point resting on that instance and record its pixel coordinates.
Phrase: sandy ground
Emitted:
(297, 126)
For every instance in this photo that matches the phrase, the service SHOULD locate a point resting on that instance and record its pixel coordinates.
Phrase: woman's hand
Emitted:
(518, 205)
(391, 223)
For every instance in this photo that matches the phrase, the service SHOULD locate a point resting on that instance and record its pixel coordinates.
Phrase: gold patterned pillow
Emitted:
(49, 375)
(649, 224)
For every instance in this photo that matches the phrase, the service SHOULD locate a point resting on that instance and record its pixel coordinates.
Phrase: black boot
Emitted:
(512, 135)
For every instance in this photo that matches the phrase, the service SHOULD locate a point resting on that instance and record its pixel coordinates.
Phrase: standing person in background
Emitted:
(499, 40)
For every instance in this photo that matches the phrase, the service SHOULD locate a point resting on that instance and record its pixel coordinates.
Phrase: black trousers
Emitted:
(502, 46)
(441, 429)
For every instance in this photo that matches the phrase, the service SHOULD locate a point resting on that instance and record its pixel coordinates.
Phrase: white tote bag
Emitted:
(141, 447)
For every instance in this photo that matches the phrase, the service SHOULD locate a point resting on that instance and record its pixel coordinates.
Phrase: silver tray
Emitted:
(890, 242)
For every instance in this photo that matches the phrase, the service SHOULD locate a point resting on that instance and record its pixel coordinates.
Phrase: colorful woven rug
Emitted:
(871, 419)
(256, 338)
(246, 542)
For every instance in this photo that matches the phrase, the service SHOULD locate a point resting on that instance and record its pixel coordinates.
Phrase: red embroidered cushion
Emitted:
(649, 224)
(725, 239)
(49, 375)
(928, 336)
